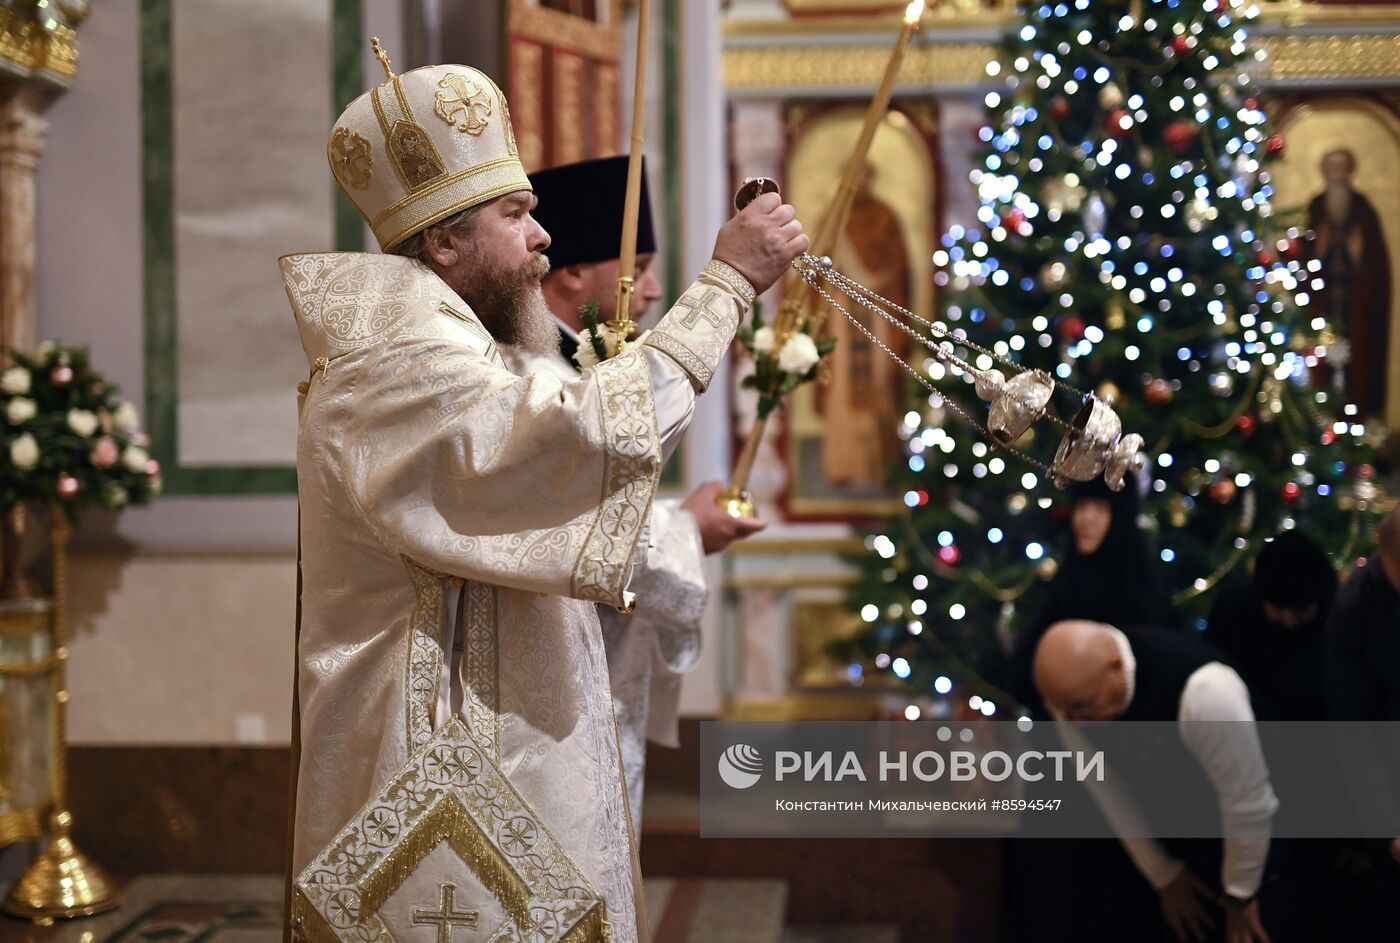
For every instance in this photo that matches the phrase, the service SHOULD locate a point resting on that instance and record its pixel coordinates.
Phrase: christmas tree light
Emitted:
(1125, 241)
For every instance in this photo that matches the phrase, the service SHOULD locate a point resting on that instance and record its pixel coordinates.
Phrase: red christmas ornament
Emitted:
(1246, 424)
(1013, 219)
(1292, 492)
(61, 376)
(1180, 44)
(1275, 145)
(1266, 257)
(1178, 136)
(1292, 248)
(1059, 108)
(1158, 392)
(1223, 491)
(1328, 437)
(1071, 329)
(950, 555)
(1367, 471)
(67, 487)
(1252, 104)
(1119, 121)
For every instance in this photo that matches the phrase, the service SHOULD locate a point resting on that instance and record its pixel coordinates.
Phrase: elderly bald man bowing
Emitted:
(1088, 671)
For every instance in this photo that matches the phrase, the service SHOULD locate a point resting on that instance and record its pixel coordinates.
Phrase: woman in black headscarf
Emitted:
(1107, 573)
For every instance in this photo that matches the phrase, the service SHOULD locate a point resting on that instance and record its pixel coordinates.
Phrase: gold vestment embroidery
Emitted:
(468, 98)
(351, 159)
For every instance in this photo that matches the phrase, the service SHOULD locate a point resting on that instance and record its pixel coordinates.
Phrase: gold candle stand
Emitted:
(61, 881)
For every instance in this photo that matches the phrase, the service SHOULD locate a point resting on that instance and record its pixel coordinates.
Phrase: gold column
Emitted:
(22, 133)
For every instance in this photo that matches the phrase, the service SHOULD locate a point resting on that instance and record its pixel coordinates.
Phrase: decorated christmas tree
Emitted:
(1127, 246)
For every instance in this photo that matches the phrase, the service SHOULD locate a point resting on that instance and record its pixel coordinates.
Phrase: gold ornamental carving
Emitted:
(42, 48)
(821, 66)
(1305, 57)
(848, 52)
(529, 20)
(526, 75)
(569, 143)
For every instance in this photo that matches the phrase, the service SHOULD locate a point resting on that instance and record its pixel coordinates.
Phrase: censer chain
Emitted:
(879, 304)
(811, 279)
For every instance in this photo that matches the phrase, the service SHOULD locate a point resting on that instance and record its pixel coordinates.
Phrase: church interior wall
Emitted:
(183, 611)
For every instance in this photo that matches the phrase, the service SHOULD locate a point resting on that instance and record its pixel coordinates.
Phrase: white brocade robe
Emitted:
(650, 649)
(458, 524)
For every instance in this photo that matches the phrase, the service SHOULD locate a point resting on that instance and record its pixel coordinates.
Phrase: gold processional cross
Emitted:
(447, 918)
(695, 310)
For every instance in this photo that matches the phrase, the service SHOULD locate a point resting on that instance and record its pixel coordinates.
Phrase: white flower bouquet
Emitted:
(781, 364)
(66, 438)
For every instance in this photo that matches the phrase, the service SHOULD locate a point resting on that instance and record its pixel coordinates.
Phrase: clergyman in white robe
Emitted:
(460, 525)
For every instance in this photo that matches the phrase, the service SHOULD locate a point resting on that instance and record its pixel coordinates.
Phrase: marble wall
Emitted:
(184, 610)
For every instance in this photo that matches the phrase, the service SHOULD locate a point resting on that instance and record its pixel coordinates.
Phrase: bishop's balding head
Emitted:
(1079, 671)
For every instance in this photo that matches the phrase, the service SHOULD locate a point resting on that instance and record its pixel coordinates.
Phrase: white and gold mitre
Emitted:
(422, 146)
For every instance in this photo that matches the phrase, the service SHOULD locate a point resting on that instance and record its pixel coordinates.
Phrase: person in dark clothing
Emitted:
(1271, 628)
(1363, 636)
(1088, 671)
(1107, 574)
(1362, 683)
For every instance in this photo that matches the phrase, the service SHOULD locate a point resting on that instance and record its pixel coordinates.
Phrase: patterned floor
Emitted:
(174, 909)
(212, 909)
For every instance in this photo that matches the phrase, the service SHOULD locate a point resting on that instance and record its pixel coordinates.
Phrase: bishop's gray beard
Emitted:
(511, 305)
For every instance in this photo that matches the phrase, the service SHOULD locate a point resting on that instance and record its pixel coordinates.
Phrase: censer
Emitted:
(1093, 441)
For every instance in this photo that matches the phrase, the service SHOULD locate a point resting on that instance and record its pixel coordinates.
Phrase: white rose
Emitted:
(124, 417)
(763, 340)
(24, 452)
(82, 421)
(798, 355)
(585, 356)
(20, 410)
(135, 459)
(15, 381)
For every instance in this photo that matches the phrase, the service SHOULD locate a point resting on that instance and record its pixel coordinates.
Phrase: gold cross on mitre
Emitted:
(383, 58)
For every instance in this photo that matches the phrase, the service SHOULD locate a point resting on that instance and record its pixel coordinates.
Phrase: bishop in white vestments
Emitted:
(459, 766)
(650, 649)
